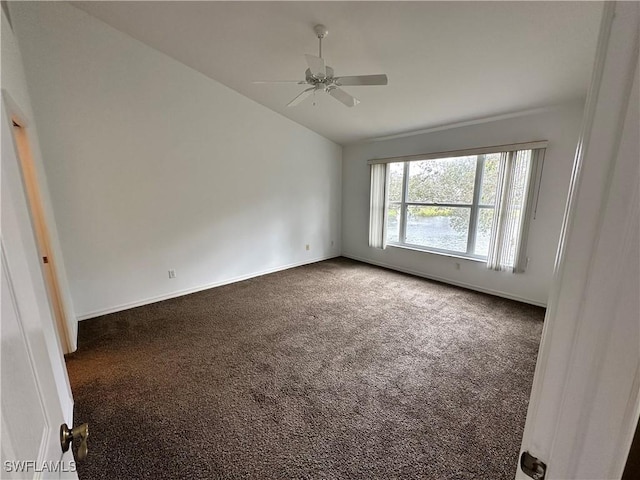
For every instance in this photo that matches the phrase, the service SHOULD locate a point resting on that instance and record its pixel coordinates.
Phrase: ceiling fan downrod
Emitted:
(321, 32)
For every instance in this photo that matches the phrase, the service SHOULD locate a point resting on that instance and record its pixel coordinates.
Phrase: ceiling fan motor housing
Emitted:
(326, 81)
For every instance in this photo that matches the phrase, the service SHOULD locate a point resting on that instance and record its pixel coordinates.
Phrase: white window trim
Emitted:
(474, 208)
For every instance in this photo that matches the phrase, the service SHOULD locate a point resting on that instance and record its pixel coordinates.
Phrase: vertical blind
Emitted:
(377, 206)
(512, 214)
(514, 209)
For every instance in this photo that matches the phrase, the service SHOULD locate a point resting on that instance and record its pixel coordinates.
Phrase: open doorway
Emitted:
(41, 232)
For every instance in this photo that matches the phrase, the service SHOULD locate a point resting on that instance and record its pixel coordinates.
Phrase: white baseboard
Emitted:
(469, 286)
(180, 293)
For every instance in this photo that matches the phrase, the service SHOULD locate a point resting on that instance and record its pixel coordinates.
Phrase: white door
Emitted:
(34, 389)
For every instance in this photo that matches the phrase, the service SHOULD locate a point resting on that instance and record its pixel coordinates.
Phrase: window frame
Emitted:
(474, 211)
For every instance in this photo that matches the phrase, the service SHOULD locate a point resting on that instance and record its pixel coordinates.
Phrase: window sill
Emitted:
(435, 252)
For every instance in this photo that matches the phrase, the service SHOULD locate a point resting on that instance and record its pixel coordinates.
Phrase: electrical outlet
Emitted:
(172, 273)
(307, 247)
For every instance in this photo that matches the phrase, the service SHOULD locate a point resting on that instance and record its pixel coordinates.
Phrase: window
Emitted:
(473, 204)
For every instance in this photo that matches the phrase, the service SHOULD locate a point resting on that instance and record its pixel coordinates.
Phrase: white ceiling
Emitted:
(446, 61)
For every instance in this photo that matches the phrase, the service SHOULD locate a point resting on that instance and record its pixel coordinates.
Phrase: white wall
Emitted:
(560, 126)
(153, 166)
(14, 85)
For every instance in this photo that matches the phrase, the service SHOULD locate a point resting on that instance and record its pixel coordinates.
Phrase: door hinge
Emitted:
(45, 259)
(532, 466)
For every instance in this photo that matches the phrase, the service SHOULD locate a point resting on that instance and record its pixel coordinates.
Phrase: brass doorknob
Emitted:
(67, 435)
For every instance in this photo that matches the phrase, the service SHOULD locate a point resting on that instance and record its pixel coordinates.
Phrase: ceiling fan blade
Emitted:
(301, 97)
(316, 66)
(343, 97)
(275, 82)
(362, 80)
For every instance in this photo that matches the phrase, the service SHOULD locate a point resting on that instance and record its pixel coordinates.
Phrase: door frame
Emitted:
(585, 399)
(39, 224)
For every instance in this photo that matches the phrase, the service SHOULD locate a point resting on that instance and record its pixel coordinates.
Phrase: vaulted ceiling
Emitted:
(446, 61)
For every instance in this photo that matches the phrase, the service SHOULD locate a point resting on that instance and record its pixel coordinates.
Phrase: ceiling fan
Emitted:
(321, 78)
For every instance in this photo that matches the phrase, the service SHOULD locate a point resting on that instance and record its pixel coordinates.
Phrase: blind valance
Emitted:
(461, 153)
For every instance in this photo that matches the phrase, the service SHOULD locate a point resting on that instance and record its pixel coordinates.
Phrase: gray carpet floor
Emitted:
(335, 370)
